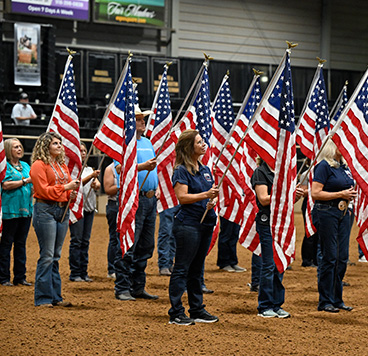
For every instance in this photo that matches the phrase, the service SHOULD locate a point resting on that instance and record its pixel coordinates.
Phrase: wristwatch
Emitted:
(24, 181)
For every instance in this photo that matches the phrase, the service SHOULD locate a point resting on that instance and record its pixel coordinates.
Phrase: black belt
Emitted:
(60, 204)
(342, 204)
(112, 202)
(150, 194)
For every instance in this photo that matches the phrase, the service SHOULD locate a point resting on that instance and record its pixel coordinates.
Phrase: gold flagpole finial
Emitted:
(208, 58)
(168, 64)
(257, 72)
(71, 53)
(130, 54)
(228, 73)
(291, 45)
(321, 61)
(346, 82)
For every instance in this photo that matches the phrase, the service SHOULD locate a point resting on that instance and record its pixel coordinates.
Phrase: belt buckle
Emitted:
(150, 194)
(342, 205)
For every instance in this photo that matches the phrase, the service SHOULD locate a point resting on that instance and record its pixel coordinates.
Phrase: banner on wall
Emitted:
(142, 12)
(67, 9)
(27, 54)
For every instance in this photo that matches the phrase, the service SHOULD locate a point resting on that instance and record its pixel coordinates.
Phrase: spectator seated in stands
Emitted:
(23, 112)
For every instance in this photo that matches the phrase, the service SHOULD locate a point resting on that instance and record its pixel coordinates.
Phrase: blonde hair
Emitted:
(328, 154)
(184, 150)
(8, 146)
(41, 149)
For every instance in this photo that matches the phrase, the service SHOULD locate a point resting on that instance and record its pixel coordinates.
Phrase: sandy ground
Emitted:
(98, 324)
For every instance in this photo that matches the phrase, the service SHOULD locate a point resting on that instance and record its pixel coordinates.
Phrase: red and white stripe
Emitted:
(109, 138)
(361, 214)
(65, 122)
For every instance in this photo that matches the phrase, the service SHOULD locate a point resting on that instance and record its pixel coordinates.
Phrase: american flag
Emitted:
(162, 120)
(65, 122)
(314, 123)
(313, 128)
(284, 185)
(109, 138)
(201, 114)
(248, 236)
(2, 171)
(129, 189)
(361, 214)
(350, 134)
(262, 135)
(339, 106)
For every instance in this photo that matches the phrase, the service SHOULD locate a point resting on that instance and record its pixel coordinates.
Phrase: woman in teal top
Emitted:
(16, 196)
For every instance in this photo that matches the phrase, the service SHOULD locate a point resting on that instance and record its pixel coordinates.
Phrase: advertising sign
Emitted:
(27, 54)
(142, 12)
(69, 9)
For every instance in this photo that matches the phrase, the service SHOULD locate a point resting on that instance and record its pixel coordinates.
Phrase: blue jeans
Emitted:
(112, 209)
(166, 240)
(80, 234)
(271, 291)
(192, 243)
(130, 269)
(50, 233)
(227, 240)
(14, 231)
(256, 270)
(334, 230)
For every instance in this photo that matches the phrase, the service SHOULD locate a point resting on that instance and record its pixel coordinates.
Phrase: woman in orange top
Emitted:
(53, 187)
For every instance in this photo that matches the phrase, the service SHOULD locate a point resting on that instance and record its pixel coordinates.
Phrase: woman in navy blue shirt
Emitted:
(332, 189)
(195, 190)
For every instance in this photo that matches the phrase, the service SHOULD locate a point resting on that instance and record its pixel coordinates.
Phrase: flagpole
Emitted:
(338, 99)
(200, 72)
(240, 112)
(111, 102)
(70, 57)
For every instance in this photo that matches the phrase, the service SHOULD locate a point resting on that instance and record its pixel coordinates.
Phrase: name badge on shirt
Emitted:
(348, 173)
(207, 177)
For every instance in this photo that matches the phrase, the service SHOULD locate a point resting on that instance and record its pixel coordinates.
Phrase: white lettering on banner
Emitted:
(114, 8)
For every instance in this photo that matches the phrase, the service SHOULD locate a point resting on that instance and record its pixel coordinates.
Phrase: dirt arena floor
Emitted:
(98, 324)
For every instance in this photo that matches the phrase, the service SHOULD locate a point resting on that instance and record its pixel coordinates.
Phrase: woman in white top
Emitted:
(80, 232)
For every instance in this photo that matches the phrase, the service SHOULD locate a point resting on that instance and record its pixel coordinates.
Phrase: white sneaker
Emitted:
(281, 313)
(237, 268)
(269, 313)
(228, 269)
(362, 259)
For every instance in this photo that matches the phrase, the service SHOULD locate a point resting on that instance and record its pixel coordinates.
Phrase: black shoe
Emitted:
(205, 317)
(345, 307)
(345, 284)
(181, 320)
(253, 288)
(205, 290)
(329, 309)
(23, 283)
(144, 295)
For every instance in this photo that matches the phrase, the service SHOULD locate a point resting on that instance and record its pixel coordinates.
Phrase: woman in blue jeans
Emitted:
(53, 187)
(17, 209)
(271, 295)
(332, 189)
(194, 187)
